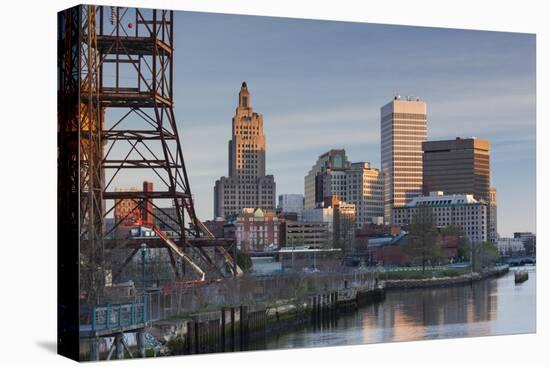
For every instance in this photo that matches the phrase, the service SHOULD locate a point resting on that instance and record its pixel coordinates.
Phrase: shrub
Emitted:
(176, 345)
(451, 273)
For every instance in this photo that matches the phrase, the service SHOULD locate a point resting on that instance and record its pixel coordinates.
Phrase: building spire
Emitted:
(244, 96)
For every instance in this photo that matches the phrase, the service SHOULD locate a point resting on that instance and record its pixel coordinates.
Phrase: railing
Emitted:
(118, 315)
(414, 268)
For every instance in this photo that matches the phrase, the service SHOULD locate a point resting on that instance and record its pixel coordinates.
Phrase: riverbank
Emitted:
(482, 308)
(445, 281)
(232, 327)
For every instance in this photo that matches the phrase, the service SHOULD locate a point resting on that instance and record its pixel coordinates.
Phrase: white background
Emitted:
(28, 181)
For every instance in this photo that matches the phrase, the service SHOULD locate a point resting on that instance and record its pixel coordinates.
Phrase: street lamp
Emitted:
(143, 252)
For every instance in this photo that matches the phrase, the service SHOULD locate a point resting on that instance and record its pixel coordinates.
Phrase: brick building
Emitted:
(258, 230)
(130, 212)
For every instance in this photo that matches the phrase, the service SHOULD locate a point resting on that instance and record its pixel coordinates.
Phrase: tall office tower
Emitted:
(326, 178)
(458, 166)
(365, 189)
(403, 128)
(247, 185)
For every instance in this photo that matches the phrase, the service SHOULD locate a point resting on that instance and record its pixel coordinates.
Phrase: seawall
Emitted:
(445, 281)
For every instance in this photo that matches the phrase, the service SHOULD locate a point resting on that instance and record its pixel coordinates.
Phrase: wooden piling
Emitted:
(119, 348)
(140, 338)
(243, 327)
(214, 328)
(189, 340)
(94, 349)
(206, 337)
(222, 331)
(217, 336)
(232, 329)
(210, 336)
(196, 336)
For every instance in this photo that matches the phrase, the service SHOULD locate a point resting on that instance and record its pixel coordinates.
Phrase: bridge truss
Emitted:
(116, 121)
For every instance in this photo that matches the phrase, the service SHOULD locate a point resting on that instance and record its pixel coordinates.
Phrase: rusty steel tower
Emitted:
(116, 121)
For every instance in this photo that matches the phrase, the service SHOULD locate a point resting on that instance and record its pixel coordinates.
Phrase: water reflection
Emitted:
(491, 307)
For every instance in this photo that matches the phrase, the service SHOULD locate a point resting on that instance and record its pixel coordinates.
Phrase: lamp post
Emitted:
(143, 252)
(143, 298)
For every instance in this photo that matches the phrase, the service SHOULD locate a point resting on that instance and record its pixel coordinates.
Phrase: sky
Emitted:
(320, 84)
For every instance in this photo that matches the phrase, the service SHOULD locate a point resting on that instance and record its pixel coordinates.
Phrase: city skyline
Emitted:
(385, 146)
(474, 83)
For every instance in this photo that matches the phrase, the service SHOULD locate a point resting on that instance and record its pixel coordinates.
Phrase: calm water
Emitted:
(491, 307)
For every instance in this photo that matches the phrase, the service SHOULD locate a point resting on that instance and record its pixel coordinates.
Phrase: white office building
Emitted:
(461, 210)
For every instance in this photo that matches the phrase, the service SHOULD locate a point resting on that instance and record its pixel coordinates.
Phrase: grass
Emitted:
(427, 274)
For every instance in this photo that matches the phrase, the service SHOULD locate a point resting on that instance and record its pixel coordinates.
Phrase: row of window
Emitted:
(404, 115)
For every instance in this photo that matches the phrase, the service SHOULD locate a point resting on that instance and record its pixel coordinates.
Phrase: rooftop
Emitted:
(438, 198)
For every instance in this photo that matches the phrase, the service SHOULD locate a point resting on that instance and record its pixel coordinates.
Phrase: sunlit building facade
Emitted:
(403, 128)
(326, 178)
(365, 189)
(247, 185)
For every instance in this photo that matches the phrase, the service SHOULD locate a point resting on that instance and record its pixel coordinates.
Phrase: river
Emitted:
(490, 307)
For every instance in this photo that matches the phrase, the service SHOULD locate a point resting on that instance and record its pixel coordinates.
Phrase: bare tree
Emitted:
(422, 244)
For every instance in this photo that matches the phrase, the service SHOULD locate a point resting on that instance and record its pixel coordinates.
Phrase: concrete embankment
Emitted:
(232, 328)
(445, 281)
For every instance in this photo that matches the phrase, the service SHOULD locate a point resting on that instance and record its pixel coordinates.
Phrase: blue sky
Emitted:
(320, 85)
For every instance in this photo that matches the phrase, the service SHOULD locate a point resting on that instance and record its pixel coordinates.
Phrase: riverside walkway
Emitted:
(113, 320)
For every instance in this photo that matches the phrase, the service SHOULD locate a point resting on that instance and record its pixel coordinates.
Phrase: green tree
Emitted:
(463, 243)
(422, 244)
(484, 254)
(490, 254)
(464, 248)
(475, 256)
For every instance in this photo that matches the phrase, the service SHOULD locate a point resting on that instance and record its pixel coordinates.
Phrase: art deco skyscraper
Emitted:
(247, 144)
(247, 185)
(403, 128)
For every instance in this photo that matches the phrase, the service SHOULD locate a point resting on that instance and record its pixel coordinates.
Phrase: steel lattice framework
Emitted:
(116, 120)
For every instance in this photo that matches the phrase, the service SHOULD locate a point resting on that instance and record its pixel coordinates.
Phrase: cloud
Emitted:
(482, 115)
(320, 130)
